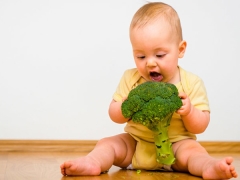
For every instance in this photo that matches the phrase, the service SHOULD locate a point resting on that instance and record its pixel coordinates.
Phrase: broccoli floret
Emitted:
(153, 104)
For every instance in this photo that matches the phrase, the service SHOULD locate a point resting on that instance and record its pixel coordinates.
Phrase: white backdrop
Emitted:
(61, 61)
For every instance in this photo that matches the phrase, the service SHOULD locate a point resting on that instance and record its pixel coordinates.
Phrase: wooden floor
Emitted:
(45, 166)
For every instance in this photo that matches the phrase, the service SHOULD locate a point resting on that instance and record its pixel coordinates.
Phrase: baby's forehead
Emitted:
(157, 23)
(158, 28)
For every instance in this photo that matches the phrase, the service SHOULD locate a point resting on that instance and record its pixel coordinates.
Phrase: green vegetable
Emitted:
(153, 104)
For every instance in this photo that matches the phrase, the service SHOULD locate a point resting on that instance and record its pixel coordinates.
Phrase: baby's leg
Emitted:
(192, 157)
(116, 150)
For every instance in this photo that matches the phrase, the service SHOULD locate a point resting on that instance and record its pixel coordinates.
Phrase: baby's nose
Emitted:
(151, 62)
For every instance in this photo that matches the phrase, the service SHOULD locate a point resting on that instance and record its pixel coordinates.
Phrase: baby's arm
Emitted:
(195, 120)
(115, 112)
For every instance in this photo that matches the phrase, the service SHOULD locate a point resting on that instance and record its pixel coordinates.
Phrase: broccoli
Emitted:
(152, 104)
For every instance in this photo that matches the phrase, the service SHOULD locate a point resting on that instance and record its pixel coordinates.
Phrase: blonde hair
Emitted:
(154, 10)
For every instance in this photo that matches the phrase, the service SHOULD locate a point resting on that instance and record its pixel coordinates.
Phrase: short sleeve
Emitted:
(129, 80)
(194, 87)
(198, 96)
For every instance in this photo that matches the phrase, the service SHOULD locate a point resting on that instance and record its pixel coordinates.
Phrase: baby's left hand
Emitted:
(186, 108)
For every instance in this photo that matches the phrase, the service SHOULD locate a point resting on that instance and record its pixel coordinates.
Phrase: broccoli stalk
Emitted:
(152, 104)
(164, 149)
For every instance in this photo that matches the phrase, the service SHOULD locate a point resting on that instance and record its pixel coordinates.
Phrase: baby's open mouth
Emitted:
(155, 76)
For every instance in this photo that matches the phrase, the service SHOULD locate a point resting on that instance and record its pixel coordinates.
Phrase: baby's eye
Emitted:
(140, 57)
(160, 55)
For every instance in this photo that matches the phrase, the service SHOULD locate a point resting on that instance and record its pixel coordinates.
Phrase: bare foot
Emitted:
(220, 169)
(81, 166)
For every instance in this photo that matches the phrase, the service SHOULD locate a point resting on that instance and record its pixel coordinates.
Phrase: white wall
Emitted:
(60, 63)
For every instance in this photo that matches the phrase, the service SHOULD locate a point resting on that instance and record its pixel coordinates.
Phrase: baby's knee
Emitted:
(117, 140)
(187, 145)
(104, 141)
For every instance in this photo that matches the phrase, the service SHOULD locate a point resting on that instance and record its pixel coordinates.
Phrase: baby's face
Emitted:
(156, 51)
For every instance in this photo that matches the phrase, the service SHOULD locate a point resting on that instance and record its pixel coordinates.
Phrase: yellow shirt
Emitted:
(191, 84)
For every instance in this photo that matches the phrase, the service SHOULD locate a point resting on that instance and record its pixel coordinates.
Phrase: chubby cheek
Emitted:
(142, 70)
(169, 69)
(140, 66)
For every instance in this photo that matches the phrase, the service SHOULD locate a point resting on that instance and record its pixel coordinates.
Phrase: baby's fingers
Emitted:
(182, 95)
(179, 111)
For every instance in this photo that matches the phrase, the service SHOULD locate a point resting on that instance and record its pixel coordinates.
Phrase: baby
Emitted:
(157, 43)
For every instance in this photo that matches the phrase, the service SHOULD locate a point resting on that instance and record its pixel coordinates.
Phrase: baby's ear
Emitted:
(182, 48)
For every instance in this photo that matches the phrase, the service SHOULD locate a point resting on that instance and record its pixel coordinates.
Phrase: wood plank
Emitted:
(221, 146)
(47, 145)
(88, 145)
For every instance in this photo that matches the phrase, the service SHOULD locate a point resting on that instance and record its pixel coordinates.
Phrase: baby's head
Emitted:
(157, 11)
(156, 38)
